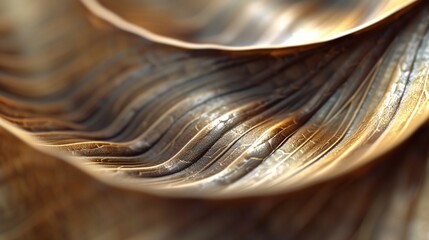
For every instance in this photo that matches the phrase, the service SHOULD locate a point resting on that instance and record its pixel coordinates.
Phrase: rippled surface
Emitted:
(98, 126)
(209, 124)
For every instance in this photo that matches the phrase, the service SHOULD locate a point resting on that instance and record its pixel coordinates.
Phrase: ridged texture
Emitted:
(106, 123)
(43, 197)
(209, 124)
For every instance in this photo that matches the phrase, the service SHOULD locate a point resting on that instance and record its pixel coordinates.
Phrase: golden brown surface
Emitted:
(98, 126)
(244, 24)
